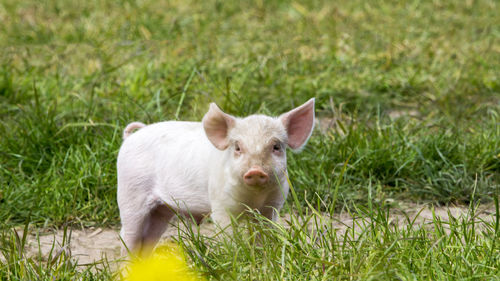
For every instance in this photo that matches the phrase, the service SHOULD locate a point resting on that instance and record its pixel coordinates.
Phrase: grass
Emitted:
(310, 246)
(59, 264)
(372, 248)
(411, 87)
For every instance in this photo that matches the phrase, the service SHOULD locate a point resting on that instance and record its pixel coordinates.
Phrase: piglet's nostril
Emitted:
(255, 176)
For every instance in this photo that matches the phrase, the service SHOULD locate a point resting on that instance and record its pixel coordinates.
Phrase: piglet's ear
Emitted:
(299, 123)
(217, 124)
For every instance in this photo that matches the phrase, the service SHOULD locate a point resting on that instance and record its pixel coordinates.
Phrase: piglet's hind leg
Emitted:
(155, 225)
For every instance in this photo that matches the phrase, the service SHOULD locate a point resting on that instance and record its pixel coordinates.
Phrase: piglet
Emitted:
(220, 167)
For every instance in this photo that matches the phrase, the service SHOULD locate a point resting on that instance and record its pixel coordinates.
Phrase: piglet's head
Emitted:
(256, 145)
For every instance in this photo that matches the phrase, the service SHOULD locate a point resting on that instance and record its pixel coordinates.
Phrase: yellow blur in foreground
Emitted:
(168, 262)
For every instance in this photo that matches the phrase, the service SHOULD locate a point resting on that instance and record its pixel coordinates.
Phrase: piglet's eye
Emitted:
(237, 147)
(276, 148)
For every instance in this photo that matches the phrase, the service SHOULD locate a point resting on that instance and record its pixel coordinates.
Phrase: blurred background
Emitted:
(408, 94)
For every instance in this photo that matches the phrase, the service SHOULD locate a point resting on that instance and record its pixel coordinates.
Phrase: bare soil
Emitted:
(93, 244)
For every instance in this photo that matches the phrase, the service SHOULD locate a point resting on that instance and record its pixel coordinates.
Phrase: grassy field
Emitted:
(410, 89)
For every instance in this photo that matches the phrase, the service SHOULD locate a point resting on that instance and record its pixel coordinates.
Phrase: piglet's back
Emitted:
(171, 155)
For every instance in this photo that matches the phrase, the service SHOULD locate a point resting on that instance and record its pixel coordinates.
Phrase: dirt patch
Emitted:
(85, 245)
(92, 245)
(89, 245)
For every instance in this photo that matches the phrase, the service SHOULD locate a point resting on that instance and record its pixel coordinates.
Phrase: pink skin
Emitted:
(217, 167)
(131, 127)
(255, 177)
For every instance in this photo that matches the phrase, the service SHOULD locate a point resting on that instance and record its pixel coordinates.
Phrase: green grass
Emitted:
(372, 248)
(59, 264)
(309, 246)
(73, 74)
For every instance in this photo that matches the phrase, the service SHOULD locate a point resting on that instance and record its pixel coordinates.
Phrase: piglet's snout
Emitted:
(255, 176)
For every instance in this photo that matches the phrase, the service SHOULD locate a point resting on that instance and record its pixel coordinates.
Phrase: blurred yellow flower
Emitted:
(167, 263)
